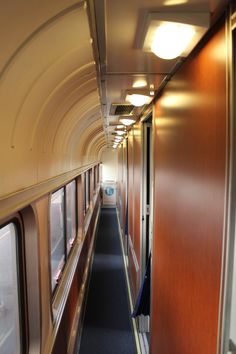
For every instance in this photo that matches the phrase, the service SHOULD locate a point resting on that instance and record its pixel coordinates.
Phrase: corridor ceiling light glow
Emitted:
(120, 132)
(138, 100)
(118, 138)
(171, 40)
(169, 35)
(127, 121)
(174, 2)
(140, 83)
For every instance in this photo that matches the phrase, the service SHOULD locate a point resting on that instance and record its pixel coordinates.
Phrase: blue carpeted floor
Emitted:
(107, 324)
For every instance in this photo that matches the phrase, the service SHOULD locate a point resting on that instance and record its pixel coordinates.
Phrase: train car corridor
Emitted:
(107, 324)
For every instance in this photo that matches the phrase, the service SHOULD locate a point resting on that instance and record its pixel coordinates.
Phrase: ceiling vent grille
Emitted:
(122, 109)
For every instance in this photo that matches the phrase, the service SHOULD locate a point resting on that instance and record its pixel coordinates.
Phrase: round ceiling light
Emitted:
(171, 39)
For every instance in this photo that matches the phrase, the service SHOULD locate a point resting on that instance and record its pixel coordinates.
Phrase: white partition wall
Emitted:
(109, 160)
(109, 176)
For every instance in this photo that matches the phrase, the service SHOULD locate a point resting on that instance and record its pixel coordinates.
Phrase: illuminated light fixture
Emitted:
(127, 120)
(140, 83)
(174, 2)
(171, 40)
(138, 100)
(118, 138)
(120, 126)
(170, 35)
(120, 132)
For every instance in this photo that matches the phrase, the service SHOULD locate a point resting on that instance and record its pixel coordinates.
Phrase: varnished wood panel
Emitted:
(137, 188)
(120, 185)
(189, 164)
(131, 191)
(130, 184)
(124, 189)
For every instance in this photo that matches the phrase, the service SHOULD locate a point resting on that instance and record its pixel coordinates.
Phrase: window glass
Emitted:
(57, 232)
(70, 214)
(90, 185)
(94, 177)
(98, 171)
(86, 190)
(10, 338)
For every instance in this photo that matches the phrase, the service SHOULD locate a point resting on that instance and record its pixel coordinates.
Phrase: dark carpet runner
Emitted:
(107, 323)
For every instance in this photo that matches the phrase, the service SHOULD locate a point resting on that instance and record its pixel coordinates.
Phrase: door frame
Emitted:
(225, 346)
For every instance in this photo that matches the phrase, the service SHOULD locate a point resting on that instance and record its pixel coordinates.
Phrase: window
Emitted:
(70, 214)
(88, 187)
(63, 228)
(86, 191)
(94, 177)
(57, 232)
(10, 315)
(98, 171)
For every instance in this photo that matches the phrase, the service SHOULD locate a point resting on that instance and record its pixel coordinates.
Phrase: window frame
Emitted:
(66, 253)
(53, 290)
(87, 191)
(75, 215)
(90, 185)
(98, 173)
(95, 178)
(21, 280)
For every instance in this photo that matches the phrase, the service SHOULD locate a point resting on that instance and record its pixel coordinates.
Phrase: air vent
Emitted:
(121, 109)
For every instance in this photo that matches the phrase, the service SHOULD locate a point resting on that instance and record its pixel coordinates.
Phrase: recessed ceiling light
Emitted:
(120, 132)
(174, 2)
(118, 138)
(140, 83)
(171, 39)
(138, 100)
(173, 34)
(127, 121)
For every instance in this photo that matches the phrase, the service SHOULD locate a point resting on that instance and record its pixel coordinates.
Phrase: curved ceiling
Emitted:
(56, 83)
(49, 99)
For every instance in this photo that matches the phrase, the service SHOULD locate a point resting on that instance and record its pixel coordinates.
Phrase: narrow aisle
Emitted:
(107, 324)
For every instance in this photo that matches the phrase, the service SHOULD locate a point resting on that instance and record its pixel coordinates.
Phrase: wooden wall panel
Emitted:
(134, 200)
(124, 189)
(119, 200)
(130, 184)
(131, 265)
(190, 163)
(137, 188)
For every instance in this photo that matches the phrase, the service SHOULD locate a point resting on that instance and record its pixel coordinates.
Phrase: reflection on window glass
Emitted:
(70, 214)
(89, 187)
(86, 190)
(57, 231)
(94, 177)
(98, 173)
(10, 342)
